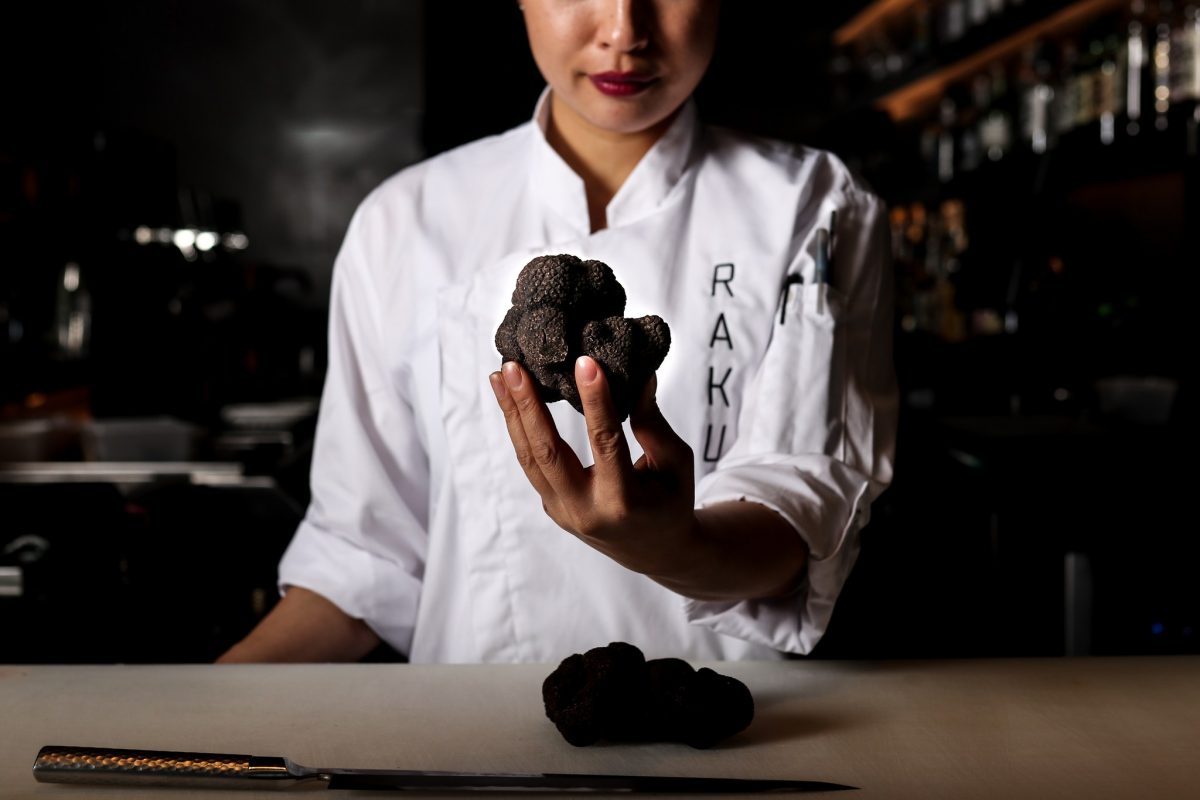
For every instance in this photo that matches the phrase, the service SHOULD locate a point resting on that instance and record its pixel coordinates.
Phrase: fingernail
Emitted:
(512, 375)
(497, 383)
(586, 367)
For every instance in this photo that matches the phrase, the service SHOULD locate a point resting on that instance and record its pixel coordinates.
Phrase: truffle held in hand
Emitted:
(614, 693)
(564, 308)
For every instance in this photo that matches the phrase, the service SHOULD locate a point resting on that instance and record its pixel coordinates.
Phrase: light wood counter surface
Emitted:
(1062, 728)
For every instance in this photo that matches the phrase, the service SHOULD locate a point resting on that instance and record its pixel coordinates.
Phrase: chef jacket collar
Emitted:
(647, 187)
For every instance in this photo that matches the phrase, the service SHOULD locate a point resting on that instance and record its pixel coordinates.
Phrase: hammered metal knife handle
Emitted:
(107, 766)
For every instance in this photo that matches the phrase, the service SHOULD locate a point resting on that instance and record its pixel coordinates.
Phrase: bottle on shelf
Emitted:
(1110, 89)
(922, 43)
(1087, 85)
(1037, 99)
(953, 21)
(1135, 58)
(1162, 66)
(842, 77)
(876, 59)
(995, 126)
(951, 229)
(1185, 57)
(73, 313)
(1067, 90)
(946, 147)
(977, 12)
(970, 142)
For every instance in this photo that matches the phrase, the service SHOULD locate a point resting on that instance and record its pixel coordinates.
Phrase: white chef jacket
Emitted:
(422, 523)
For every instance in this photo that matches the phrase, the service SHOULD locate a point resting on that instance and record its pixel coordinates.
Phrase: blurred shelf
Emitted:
(867, 19)
(124, 473)
(1078, 159)
(909, 95)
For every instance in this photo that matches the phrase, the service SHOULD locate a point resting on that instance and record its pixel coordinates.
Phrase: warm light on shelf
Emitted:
(913, 99)
(868, 18)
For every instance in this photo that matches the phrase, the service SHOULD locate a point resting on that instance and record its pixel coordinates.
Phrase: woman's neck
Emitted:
(603, 159)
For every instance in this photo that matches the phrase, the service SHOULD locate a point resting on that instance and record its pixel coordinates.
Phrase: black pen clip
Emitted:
(788, 282)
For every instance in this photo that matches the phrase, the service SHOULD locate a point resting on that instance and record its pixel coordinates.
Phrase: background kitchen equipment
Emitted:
(161, 571)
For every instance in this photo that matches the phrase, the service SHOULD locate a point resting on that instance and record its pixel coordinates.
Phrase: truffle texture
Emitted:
(613, 693)
(564, 308)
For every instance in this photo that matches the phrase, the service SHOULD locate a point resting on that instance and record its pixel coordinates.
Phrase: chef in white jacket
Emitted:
(459, 519)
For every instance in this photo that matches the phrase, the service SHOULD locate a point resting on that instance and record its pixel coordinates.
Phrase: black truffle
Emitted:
(564, 308)
(613, 693)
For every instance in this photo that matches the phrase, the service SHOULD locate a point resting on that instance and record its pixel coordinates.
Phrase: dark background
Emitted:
(274, 118)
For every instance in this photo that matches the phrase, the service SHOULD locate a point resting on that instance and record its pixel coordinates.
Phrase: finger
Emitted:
(516, 434)
(544, 451)
(609, 448)
(663, 448)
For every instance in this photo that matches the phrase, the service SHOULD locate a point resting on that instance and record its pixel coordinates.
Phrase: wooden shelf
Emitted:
(914, 98)
(869, 18)
(913, 94)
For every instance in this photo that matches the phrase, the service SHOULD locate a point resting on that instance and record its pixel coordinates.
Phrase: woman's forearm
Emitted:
(740, 551)
(304, 627)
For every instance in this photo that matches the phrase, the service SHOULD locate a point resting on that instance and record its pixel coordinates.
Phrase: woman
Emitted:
(426, 533)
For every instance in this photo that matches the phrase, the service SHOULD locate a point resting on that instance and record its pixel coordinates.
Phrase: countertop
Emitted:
(1054, 728)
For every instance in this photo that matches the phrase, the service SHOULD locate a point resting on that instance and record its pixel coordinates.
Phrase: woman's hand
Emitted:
(639, 514)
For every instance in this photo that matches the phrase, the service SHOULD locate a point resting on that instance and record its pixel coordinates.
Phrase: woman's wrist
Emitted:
(737, 551)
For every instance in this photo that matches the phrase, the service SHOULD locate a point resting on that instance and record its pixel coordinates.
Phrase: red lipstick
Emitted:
(621, 84)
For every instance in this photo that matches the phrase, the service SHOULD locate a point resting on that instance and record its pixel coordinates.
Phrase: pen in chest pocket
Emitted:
(822, 270)
(792, 279)
(822, 262)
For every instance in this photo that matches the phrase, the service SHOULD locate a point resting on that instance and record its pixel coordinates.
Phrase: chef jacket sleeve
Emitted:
(816, 431)
(362, 542)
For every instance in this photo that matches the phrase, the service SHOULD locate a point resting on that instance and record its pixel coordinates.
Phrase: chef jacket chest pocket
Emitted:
(800, 385)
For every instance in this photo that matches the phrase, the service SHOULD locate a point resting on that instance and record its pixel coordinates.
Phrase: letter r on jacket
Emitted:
(722, 270)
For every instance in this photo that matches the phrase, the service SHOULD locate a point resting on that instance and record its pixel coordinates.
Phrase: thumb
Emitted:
(662, 447)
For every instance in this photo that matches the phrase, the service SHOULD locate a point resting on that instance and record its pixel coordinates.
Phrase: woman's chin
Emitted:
(627, 115)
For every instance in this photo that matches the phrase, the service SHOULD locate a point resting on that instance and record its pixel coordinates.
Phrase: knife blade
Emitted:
(113, 767)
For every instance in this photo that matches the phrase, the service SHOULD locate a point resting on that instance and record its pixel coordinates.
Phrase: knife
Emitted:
(107, 766)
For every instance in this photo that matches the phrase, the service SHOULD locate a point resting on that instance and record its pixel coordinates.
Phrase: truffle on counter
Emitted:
(614, 693)
(564, 308)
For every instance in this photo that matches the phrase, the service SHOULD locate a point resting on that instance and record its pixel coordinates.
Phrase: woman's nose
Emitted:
(625, 25)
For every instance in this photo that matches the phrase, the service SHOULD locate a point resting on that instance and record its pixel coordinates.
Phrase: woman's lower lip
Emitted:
(619, 88)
